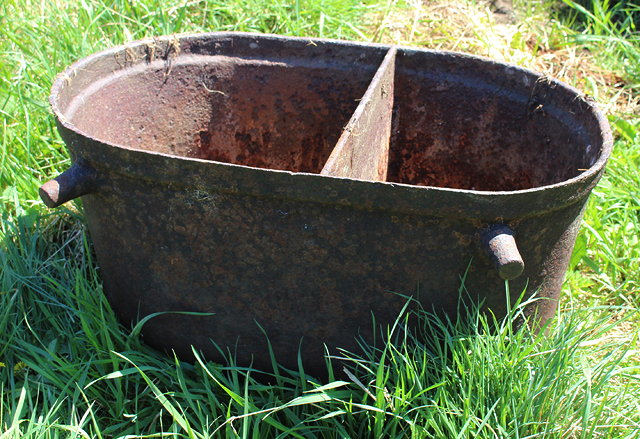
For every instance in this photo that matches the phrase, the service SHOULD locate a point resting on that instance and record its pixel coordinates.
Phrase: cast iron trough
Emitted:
(300, 186)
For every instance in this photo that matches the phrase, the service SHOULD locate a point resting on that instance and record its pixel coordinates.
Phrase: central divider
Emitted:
(362, 151)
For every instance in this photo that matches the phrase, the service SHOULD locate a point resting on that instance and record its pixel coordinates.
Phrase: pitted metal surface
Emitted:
(304, 185)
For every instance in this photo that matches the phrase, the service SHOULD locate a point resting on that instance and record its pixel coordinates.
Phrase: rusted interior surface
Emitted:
(363, 148)
(474, 125)
(460, 124)
(283, 115)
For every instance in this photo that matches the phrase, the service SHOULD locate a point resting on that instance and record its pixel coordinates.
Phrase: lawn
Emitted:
(68, 369)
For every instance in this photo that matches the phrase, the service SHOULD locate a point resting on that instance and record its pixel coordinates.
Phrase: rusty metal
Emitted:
(363, 148)
(500, 244)
(209, 195)
(80, 179)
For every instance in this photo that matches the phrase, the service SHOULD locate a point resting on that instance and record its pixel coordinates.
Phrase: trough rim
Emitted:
(224, 177)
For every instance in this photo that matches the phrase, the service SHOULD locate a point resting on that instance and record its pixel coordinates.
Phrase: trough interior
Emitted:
(277, 114)
(458, 122)
(469, 124)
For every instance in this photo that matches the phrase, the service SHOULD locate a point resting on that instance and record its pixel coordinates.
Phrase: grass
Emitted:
(612, 27)
(68, 369)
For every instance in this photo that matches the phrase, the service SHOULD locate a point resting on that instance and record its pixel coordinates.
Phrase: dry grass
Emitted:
(532, 41)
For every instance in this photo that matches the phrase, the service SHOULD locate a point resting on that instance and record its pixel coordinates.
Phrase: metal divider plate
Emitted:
(362, 152)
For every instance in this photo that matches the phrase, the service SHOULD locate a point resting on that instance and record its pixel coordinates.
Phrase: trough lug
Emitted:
(499, 243)
(80, 179)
